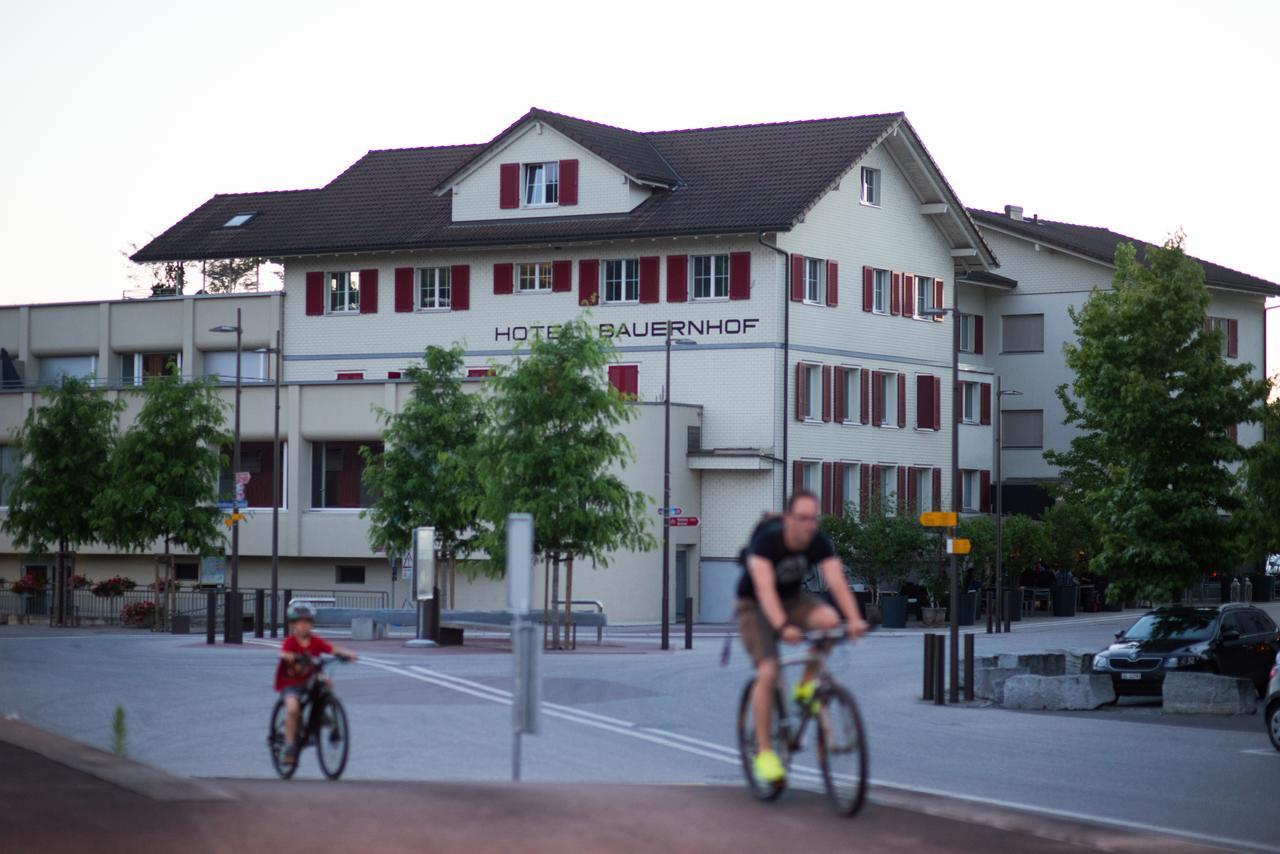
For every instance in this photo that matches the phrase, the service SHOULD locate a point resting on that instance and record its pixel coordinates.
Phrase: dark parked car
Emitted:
(1272, 706)
(1233, 640)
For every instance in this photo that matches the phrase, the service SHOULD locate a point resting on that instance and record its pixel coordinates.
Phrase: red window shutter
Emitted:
(913, 490)
(404, 289)
(833, 283)
(568, 182)
(315, 294)
(937, 298)
(677, 278)
(908, 296)
(984, 491)
(828, 505)
(801, 389)
(937, 403)
(615, 377)
(837, 489)
(985, 405)
(877, 399)
(459, 287)
(864, 488)
(509, 186)
(868, 288)
(895, 293)
(977, 334)
(649, 279)
(902, 400)
(877, 482)
(503, 278)
(1233, 338)
(864, 396)
(901, 498)
(837, 393)
(561, 276)
(626, 379)
(480, 372)
(588, 282)
(924, 402)
(633, 380)
(797, 278)
(1233, 431)
(826, 392)
(394, 375)
(350, 375)
(937, 489)
(739, 275)
(797, 476)
(368, 291)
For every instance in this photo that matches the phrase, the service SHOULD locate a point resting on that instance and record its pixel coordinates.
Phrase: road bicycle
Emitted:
(322, 723)
(841, 738)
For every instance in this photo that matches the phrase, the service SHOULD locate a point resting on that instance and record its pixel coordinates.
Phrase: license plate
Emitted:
(1134, 676)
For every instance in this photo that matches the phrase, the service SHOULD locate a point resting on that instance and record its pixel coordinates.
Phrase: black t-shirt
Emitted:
(789, 566)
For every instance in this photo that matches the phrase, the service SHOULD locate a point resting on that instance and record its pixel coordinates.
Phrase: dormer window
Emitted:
(542, 183)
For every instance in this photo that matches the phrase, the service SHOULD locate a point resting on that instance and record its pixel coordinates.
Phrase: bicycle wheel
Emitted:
(332, 738)
(276, 743)
(778, 735)
(842, 750)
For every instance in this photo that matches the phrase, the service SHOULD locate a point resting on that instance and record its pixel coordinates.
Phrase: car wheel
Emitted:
(1273, 723)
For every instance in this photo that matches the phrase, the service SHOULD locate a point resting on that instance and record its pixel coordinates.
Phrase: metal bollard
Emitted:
(1247, 596)
(991, 602)
(939, 669)
(688, 622)
(210, 616)
(1235, 590)
(259, 606)
(927, 694)
(969, 666)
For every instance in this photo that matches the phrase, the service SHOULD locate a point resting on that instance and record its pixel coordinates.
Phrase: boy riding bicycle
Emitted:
(772, 604)
(295, 669)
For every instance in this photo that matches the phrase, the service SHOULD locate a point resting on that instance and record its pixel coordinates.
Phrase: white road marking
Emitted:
(1262, 751)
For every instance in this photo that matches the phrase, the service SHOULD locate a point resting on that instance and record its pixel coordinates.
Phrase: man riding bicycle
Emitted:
(772, 604)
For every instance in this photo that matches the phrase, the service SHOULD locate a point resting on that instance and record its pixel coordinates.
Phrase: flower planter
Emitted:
(933, 617)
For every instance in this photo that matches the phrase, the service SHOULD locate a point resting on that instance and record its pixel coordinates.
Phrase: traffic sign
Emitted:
(233, 518)
(684, 522)
(675, 511)
(938, 519)
(242, 477)
(958, 546)
(240, 492)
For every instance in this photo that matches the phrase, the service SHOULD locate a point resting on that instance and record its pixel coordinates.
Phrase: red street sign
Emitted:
(684, 521)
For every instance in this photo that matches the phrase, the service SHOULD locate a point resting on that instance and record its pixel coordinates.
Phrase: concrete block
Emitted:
(1208, 694)
(364, 628)
(1058, 693)
(989, 682)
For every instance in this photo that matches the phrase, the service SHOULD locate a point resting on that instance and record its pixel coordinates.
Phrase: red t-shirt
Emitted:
(297, 674)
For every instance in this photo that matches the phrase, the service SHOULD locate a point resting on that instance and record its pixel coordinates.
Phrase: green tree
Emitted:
(1154, 401)
(426, 474)
(980, 531)
(1258, 521)
(65, 445)
(1070, 537)
(1024, 546)
(881, 547)
(225, 275)
(552, 447)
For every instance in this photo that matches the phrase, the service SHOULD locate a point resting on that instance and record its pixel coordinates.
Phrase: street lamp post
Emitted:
(954, 658)
(235, 623)
(275, 490)
(666, 492)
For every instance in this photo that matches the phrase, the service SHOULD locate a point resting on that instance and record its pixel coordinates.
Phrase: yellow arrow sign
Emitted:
(959, 546)
(938, 519)
(232, 519)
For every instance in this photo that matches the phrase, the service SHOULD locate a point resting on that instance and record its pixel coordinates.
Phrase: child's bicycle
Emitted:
(841, 739)
(322, 723)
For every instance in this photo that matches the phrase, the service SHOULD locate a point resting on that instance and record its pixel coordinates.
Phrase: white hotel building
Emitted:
(801, 257)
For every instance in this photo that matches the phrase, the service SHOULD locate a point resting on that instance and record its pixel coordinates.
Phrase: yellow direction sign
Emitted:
(232, 519)
(938, 519)
(959, 546)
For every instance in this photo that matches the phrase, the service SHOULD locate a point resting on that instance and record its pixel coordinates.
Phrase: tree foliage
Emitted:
(881, 547)
(1258, 521)
(1154, 401)
(162, 478)
(226, 275)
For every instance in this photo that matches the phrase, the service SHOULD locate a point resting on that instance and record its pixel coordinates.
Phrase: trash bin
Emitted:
(1264, 588)
(1013, 604)
(968, 607)
(893, 611)
(180, 624)
(1064, 600)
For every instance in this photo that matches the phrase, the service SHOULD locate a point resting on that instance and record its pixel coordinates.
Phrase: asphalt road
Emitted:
(626, 715)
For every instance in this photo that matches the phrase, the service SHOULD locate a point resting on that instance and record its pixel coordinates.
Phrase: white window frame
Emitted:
(541, 273)
(815, 281)
(850, 487)
(926, 296)
(717, 275)
(969, 487)
(970, 402)
(345, 286)
(535, 192)
(812, 383)
(628, 280)
(90, 377)
(924, 489)
(1221, 324)
(869, 193)
(137, 365)
(881, 291)
(889, 486)
(852, 394)
(889, 394)
(431, 283)
(967, 330)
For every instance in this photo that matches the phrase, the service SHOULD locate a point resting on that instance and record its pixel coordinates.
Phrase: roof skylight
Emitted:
(239, 219)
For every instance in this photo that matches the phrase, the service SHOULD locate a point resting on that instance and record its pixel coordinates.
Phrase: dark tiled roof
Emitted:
(1100, 244)
(732, 180)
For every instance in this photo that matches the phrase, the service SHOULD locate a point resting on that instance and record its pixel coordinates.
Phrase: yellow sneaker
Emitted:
(768, 768)
(803, 694)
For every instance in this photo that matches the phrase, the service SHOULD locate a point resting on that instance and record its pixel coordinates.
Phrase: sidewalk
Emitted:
(62, 796)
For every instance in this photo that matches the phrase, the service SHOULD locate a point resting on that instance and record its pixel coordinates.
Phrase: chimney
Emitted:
(1013, 212)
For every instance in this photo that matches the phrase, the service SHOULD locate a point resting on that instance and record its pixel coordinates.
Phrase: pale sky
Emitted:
(121, 117)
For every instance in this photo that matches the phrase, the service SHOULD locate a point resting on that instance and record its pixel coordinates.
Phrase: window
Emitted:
(10, 462)
(542, 183)
(256, 459)
(870, 186)
(349, 574)
(850, 397)
(880, 292)
(136, 367)
(239, 219)
(966, 333)
(849, 488)
(924, 296)
(186, 571)
(1022, 428)
(344, 292)
(536, 277)
(626, 379)
(970, 401)
(922, 489)
(1023, 333)
(433, 289)
(54, 368)
(970, 486)
(812, 479)
(622, 280)
(337, 470)
(889, 396)
(888, 486)
(711, 277)
(221, 366)
(812, 392)
(1222, 325)
(815, 270)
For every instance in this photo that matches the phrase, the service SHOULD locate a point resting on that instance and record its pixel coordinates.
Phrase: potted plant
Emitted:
(79, 582)
(114, 586)
(937, 583)
(28, 584)
(138, 613)
(886, 544)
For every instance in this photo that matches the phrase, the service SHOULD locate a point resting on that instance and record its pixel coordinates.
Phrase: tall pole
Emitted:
(666, 502)
(275, 499)
(955, 501)
(999, 443)
(238, 625)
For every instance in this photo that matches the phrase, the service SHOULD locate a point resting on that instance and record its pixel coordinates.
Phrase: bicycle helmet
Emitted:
(300, 611)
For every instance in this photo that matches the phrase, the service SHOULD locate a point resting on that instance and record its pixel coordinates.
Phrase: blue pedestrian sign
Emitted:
(673, 511)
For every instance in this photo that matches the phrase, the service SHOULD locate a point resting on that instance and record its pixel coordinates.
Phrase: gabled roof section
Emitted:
(1100, 244)
(628, 150)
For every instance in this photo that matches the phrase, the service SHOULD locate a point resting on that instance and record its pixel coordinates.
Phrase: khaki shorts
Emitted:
(758, 636)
